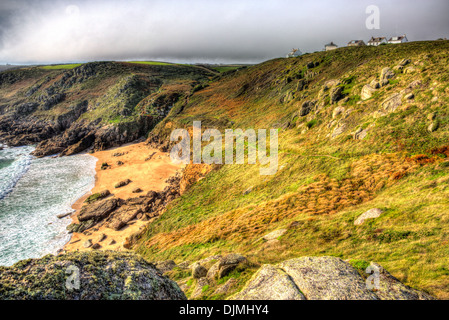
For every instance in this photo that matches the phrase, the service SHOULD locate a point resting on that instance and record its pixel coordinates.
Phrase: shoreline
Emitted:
(146, 174)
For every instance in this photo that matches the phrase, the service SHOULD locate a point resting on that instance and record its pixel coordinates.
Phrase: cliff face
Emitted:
(98, 105)
(363, 161)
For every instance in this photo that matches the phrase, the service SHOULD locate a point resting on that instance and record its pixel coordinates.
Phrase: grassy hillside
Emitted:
(69, 108)
(340, 155)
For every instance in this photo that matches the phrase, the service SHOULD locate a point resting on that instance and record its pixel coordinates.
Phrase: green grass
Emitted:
(62, 66)
(226, 68)
(153, 63)
(409, 239)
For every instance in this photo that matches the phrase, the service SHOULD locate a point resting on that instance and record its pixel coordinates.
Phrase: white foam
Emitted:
(29, 227)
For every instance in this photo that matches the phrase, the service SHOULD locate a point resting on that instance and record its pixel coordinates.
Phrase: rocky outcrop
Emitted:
(385, 76)
(306, 107)
(370, 214)
(325, 278)
(96, 275)
(270, 283)
(101, 113)
(123, 215)
(98, 210)
(225, 265)
(116, 213)
(391, 103)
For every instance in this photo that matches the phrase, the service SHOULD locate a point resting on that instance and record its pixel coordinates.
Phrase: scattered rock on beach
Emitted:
(87, 243)
(122, 183)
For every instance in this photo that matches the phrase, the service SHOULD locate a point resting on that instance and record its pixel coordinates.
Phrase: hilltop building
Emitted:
(356, 43)
(330, 46)
(294, 53)
(377, 41)
(400, 39)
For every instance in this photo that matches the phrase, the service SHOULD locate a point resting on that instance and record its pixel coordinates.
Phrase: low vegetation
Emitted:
(334, 164)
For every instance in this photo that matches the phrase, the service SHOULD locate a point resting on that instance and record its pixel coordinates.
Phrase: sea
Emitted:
(33, 191)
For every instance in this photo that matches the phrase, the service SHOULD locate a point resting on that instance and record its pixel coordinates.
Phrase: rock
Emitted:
(391, 288)
(360, 134)
(337, 111)
(227, 264)
(184, 265)
(98, 210)
(301, 84)
(63, 215)
(327, 278)
(81, 227)
(165, 266)
(374, 84)
(96, 246)
(122, 216)
(409, 96)
(370, 214)
(224, 266)
(118, 154)
(269, 283)
(404, 62)
(122, 183)
(198, 290)
(409, 70)
(414, 84)
(81, 145)
(198, 271)
(101, 237)
(336, 94)
(112, 242)
(87, 243)
(433, 126)
(248, 190)
(103, 275)
(385, 76)
(306, 108)
(392, 102)
(97, 196)
(432, 116)
(137, 190)
(324, 278)
(274, 235)
(226, 287)
(338, 131)
(120, 163)
(367, 92)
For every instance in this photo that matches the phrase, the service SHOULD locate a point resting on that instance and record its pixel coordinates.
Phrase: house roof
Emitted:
(355, 41)
(331, 45)
(397, 38)
(378, 39)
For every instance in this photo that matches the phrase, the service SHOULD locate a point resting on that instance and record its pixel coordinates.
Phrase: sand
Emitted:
(146, 175)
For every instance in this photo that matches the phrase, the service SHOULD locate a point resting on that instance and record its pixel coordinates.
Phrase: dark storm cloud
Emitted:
(201, 31)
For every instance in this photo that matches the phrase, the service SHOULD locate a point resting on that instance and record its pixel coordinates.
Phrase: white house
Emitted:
(400, 39)
(356, 43)
(377, 41)
(294, 53)
(330, 46)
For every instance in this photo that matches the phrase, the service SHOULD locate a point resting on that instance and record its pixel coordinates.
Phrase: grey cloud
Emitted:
(201, 31)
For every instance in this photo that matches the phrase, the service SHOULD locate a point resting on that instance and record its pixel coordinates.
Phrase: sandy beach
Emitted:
(132, 162)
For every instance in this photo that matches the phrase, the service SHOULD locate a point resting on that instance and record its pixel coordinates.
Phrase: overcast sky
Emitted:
(224, 31)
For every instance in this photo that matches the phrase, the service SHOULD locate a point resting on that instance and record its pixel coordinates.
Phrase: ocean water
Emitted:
(32, 193)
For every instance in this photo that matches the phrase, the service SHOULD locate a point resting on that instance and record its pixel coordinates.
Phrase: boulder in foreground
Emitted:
(103, 275)
(323, 278)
